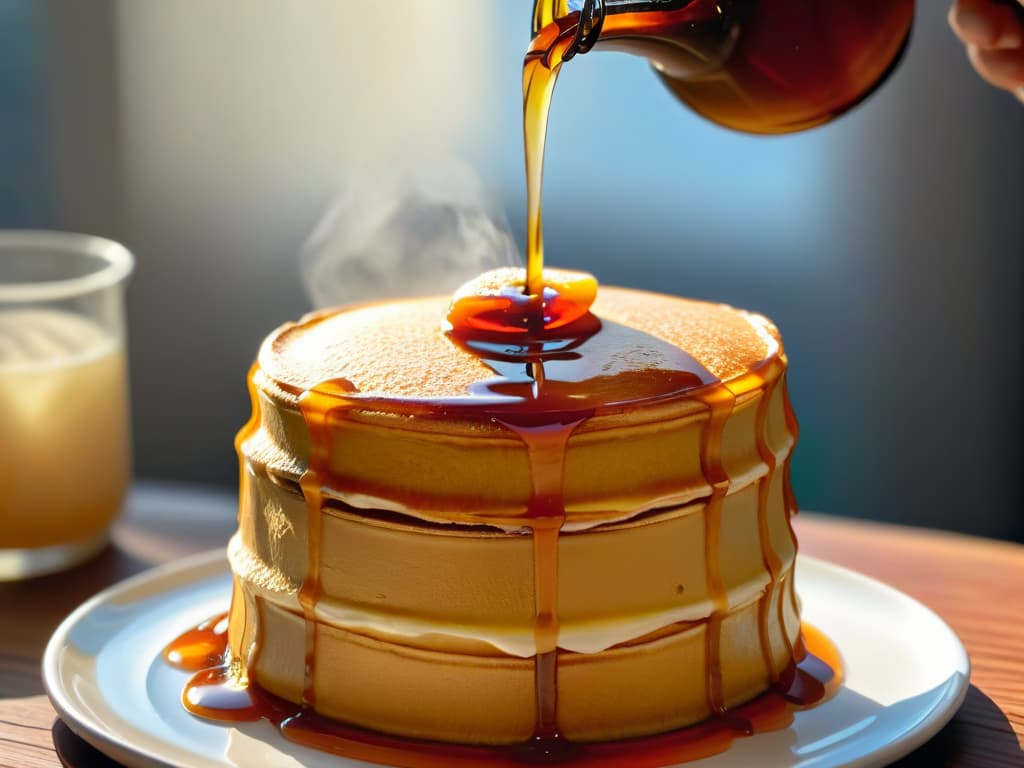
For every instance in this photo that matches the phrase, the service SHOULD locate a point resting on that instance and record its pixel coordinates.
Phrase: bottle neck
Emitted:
(683, 39)
(547, 11)
(639, 6)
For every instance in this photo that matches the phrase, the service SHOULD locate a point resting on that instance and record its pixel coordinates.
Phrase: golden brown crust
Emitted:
(399, 349)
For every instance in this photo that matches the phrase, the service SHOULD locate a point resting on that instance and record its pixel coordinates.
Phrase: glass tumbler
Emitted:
(65, 451)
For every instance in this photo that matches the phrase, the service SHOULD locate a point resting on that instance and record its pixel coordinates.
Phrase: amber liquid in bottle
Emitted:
(760, 66)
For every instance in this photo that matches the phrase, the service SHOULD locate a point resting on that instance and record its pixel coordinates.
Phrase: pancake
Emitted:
(477, 542)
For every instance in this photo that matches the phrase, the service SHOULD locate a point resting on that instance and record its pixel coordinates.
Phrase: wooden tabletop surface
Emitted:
(976, 585)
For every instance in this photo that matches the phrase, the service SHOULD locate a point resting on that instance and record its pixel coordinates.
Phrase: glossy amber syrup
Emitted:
(540, 72)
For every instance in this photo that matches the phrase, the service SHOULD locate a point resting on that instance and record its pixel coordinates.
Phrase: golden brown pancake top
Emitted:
(399, 349)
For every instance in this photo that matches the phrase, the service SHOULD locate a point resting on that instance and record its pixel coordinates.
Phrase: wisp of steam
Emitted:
(414, 232)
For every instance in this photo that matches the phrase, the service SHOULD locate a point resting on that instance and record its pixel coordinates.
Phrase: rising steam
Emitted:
(413, 232)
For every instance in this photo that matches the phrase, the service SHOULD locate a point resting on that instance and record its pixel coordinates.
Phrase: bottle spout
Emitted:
(588, 29)
(590, 13)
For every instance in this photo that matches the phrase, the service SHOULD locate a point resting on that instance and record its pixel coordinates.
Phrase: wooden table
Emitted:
(975, 585)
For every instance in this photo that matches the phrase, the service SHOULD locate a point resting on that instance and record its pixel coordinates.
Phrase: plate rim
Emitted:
(951, 700)
(211, 562)
(79, 722)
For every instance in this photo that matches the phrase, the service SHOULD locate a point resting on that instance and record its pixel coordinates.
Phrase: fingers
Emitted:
(985, 24)
(994, 39)
(1002, 68)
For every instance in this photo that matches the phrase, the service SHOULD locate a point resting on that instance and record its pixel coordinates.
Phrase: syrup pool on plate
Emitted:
(219, 694)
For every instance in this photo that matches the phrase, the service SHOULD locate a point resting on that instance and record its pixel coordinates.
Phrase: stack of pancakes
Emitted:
(396, 588)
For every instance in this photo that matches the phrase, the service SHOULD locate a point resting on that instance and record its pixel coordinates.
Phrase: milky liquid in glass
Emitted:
(64, 454)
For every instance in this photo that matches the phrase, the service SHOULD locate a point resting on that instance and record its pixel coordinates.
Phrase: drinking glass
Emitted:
(65, 453)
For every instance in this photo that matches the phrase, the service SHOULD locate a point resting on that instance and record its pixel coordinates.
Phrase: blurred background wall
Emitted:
(210, 137)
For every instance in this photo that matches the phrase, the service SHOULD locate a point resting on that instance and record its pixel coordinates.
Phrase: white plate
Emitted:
(906, 675)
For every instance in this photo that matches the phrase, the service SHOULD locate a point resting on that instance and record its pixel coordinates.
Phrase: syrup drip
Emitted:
(545, 445)
(216, 690)
(545, 440)
(201, 647)
(769, 557)
(787, 483)
(318, 406)
(720, 401)
(216, 695)
(250, 427)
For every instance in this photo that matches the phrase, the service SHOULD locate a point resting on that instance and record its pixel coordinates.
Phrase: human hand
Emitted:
(994, 34)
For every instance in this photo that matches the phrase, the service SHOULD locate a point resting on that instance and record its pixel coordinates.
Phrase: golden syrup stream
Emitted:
(540, 72)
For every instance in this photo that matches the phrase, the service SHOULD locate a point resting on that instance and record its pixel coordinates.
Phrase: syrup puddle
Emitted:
(220, 694)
